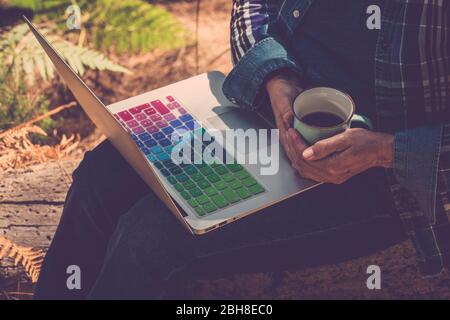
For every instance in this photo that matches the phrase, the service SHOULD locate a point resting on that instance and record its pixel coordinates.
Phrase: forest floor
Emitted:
(346, 280)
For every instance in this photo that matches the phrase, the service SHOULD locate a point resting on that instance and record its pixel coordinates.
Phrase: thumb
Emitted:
(326, 147)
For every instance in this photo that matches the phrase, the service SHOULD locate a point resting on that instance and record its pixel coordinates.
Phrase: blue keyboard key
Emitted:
(165, 142)
(185, 117)
(135, 138)
(144, 136)
(157, 150)
(176, 123)
(192, 125)
(140, 144)
(151, 143)
(163, 157)
(152, 158)
(168, 130)
(145, 150)
(158, 136)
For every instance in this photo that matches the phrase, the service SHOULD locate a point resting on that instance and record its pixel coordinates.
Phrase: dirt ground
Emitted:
(346, 280)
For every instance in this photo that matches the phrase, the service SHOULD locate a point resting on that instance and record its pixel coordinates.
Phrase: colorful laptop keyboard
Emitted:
(207, 188)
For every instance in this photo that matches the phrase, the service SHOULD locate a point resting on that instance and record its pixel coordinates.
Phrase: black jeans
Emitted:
(129, 245)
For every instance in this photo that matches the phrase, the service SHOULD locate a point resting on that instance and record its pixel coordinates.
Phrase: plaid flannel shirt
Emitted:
(412, 83)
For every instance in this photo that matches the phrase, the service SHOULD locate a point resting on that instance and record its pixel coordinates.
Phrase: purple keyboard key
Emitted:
(158, 105)
(150, 143)
(152, 129)
(170, 106)
(125, 116)
(132, 123)
(167, 130)
(138, 130)
(145, 136)
(182, 111)
(169, 117)
(176, 123)
(165, 142)
(140, 116)
(176, 104)
(158, 136)
(186, 118)
(162, 124)
(155, 117)
(146, 123)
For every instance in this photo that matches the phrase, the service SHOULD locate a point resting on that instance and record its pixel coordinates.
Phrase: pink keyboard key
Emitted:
(125, 116)
(170, 98)
(169, 117)
(150, 111)
(176, 104)
(144, 106)
(170, 106)
(152, 129)
(155, 117)
(116, 116)
(146, 123)
(182, 111)
(138, 130)
(132, 123)
(160, 107)
(162, 124)
(140, 116)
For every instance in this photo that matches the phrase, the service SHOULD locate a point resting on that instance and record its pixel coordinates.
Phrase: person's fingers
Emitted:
(326, 147)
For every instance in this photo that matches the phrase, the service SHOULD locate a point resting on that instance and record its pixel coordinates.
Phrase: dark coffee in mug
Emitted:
(322, 119)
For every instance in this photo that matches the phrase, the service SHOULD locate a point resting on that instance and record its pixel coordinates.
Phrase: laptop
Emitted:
(203, 196)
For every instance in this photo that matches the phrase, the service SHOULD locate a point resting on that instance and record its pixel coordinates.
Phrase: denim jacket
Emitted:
(412, 87)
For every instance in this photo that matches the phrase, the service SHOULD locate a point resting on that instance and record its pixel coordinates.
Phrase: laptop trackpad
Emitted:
(241, 119)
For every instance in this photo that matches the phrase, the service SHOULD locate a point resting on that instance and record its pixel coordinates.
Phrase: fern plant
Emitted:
(119, 26)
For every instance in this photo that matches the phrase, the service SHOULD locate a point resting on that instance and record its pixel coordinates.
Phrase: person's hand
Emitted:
(283, 88)
(337, 159)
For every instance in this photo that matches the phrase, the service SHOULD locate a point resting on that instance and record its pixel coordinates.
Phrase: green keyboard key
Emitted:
(210, 191)
(216, 165)
(203, 199)
(228, 177)
(172, 180)
(188, 185)
(196, 192)
(182, 177)
(206, 171)
(243, 193)
(203, 184)
(201, 166)
(197, 177)
(190, 170)
(209, 207)
(231, 196)
(185, 195)
(235, 167)
(235, 184)
(179, 187)
(193, 203)
(213, 178)
(220, 185)
(248, 182)
(200, 211)
(221, 170)
(256, 189)
(220, 201)
(241, 175)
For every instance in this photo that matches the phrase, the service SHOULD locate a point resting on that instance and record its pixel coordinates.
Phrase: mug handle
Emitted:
(359, 121)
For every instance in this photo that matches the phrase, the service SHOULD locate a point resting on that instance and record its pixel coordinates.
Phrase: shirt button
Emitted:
(296, 14)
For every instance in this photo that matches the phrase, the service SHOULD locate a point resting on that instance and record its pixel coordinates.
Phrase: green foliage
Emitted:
(119, 26)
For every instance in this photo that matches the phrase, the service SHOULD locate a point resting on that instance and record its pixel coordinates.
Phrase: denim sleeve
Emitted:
(244, 85)
(416, 163)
